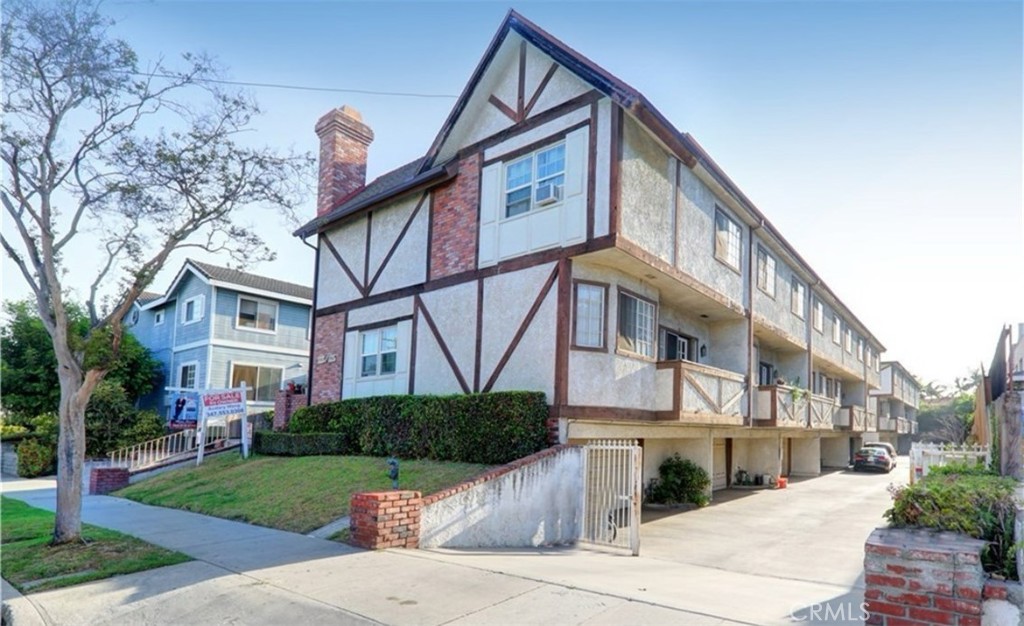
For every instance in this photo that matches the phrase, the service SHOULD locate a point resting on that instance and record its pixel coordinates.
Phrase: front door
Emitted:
(720, 477)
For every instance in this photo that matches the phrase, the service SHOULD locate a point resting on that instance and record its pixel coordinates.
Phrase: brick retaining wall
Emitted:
(385, 519)
(103, 480)
(286, 403)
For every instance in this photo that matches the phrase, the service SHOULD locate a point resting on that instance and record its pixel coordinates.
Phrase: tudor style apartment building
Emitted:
(561, 235)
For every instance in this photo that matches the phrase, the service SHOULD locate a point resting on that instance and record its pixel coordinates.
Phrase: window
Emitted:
(261, 381)
(836, 329)
(676, 347)
(860, 350)
(192, 310)
(535, 180)
(796, 298)
(256, 314)
(765, 271)
(764, 373)
(848, 340)
(158, 317)
(818, 316)
(727, 240)
(636, 325)
(590, 303)
(378, 351)
(187, 376)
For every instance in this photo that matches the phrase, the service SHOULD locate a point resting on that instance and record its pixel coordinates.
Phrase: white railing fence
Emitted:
(924, 456)
(156, 451)
(612, 486)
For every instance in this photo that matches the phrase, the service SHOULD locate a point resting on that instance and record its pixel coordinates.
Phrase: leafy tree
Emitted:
(80, 158)
(28, 366)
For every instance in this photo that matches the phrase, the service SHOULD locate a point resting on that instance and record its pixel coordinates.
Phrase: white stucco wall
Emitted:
(535, 505)
(537, 133)
(602, 168)
(406, 266)
(647, 217)
(380, 312)
(835, 451)
(334, 285)
(778, 310)
(454, 312)
(757, 455)
(806, 459)
(728, 349)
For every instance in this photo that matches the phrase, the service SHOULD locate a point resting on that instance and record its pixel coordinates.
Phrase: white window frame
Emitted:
(199, 307)
(259, 302)
(378, 353)
(195, 374)
(797, 298)
(256, 385)
(818, 316)
(860, 350)
(766, 271)
(309, 325)
(597, 318)
(647, 324)
(535, 181)
(734, 234)
(848, 340)
(837, 330)
(158, 317)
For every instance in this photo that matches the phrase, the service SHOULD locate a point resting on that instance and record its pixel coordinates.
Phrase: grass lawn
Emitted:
(29, 563)
(299, 494)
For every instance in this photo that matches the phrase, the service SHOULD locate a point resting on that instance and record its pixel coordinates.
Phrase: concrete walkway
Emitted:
(246, 574)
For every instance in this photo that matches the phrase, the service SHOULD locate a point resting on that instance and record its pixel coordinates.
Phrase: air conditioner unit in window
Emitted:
(548, 194)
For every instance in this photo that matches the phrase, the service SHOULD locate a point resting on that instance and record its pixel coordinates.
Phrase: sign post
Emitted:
(225, 402)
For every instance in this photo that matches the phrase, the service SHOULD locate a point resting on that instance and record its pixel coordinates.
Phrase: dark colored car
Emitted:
(873, 458)
(886, 446)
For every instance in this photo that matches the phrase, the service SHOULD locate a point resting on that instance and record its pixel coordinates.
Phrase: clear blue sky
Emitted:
(883, 139)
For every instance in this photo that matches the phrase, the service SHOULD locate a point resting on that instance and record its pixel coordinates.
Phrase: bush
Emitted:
(35, 458)
(961, 469)
(679, 481)
(490, 428)
(13, 432)
(147, 425)
(974, 503)
(305, 444)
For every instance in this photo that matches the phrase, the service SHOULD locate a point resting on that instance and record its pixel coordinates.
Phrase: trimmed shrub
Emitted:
(974, 502)
(13, 432)
(489, 428)
(305, 444)
(679, 481)
(35, 459)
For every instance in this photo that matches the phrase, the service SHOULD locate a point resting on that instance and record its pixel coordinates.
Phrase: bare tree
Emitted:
(79, 165)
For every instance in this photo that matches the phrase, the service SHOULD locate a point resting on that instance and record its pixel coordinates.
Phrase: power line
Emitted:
(403, 94)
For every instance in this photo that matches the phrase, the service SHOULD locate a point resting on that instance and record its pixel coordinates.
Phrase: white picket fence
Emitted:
(924, 456)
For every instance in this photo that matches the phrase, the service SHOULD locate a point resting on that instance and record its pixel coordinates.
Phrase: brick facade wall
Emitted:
(386, 519)
(328, 353)
(455, 208)
(918, 577)
(103, 480)
(286, 403)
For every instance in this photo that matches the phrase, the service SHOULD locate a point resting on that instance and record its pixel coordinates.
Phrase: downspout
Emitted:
(750, 323)
(810, 345)
(312, 323)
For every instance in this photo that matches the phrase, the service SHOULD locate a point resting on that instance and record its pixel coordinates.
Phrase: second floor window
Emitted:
(727, 240)
(818, 315)
(860, 349)
(765, 271)
(257, 314)
(589, 315)
(378, 354)
(848, 340)
(192, 310)
(187, 376)
(158, 317)
(535, 180)
(837, 330)
(636, 325)
(797, 298)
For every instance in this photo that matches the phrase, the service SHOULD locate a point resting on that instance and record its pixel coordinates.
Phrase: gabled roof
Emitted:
(233, 279)
(146, 297)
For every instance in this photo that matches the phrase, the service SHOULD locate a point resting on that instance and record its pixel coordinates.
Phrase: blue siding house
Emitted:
(216, 327)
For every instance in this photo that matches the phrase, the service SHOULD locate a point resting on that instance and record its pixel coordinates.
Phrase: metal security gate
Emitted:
(612, 487)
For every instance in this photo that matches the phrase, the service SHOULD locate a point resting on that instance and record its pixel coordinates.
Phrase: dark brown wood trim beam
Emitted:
(521, 95)
(533, 145)
(419, 306)
(394, 246)
(608, 413)
(504, 108)
(511, 265)
(591, 169)
(479, 332)
(366, 258)
(537, 302)
(563, 325)
(381, 323)
(344, 266)
(412, 348)
(540, 89)
(615, 184)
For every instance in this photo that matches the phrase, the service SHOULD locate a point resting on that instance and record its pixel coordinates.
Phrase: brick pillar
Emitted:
(285, 404)
(328, 354)
(344, 140)
(923, 577)
(455, 206)
(103, 480)
(386, 519)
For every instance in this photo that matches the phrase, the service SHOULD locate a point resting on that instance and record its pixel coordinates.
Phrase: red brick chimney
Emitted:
(344, 139)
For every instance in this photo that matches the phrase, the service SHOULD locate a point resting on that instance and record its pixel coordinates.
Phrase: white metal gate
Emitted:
(612, 487)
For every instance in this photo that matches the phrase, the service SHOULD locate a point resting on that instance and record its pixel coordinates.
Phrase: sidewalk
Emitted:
(252, 575)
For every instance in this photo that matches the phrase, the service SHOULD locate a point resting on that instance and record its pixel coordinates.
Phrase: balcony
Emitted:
(913, 428)
(852, 418)
(887, 424)
(781, 406)
(902, 426)
(701, 394)
(870, 422)
(823, 411)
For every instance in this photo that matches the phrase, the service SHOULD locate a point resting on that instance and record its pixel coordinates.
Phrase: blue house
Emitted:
(217, 327)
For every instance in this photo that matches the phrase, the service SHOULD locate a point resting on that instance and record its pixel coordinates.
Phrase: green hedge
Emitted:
(307, 444)
(972, 502)
(488, 428)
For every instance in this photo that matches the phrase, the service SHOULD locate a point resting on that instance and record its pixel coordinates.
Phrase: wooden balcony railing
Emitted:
(887, 424)
(702, 394)
(781, 406)
(870, 421)
(823, 411)
(851, 417)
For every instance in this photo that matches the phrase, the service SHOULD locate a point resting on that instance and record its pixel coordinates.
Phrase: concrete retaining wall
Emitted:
(9, 458)
(531, 502)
